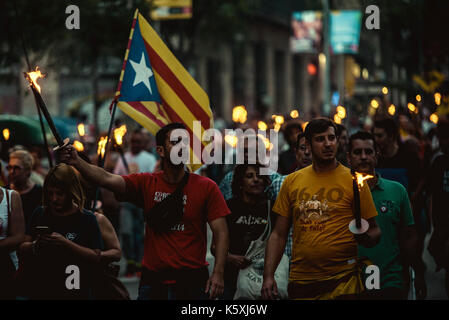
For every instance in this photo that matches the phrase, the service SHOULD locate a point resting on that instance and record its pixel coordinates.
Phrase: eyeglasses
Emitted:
(13, 168)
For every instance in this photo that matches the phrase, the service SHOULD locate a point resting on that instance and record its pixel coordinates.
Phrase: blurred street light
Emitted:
(374, 104)
(262, 126)
(311, 69)
(337, 119)
(279, 120)
(322, 58)
(418, 98)
(385, 90)
(294, 114)
(341, 112)
(437, 98)
(239, 114)
(231, 140)
(365, 74)
(434, 118)
(81, 130)
(6, 134)
(392, 109)
(412, 107)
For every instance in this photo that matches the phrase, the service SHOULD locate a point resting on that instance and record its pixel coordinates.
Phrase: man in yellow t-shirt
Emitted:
(318, 201)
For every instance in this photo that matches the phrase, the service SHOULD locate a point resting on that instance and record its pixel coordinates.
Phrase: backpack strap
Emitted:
(170, 197)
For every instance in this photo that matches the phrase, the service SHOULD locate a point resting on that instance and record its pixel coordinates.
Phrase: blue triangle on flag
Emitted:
(138, 83)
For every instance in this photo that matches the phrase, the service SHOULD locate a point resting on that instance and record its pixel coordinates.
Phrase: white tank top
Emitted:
(4, 222)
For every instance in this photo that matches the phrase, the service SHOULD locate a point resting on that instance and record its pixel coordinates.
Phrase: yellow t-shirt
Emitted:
(321, 208)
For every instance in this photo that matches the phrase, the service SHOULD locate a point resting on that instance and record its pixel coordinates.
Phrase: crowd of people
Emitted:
(276, 236)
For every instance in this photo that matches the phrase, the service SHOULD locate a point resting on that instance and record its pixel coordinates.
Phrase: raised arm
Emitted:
(92, 173)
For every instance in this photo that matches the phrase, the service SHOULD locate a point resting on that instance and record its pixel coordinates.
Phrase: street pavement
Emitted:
(434, 280)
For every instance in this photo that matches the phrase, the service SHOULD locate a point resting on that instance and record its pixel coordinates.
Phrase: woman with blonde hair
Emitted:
(63, 241)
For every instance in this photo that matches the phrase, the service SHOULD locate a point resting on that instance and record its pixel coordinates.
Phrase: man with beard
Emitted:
(395, 219)
(174, 261)
(131, 216)
(318, 201)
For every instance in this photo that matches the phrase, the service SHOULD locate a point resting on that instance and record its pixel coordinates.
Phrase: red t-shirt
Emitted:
(185, 245)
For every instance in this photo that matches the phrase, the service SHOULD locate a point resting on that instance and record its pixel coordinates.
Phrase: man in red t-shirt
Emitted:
(174, 262)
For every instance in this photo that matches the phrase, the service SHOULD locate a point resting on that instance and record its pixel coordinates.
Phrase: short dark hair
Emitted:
(318, 125)
(361, 135)
(300, 136)
(290, 127)
(239, 174)
(161, 135)
(340, 129)
(389, 125)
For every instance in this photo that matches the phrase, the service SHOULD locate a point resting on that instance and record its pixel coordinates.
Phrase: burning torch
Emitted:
(119, 133)
(358, 225)
(32, 79)
(101, 149)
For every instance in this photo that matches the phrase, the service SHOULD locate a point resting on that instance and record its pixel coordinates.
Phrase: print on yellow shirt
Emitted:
(321, 208)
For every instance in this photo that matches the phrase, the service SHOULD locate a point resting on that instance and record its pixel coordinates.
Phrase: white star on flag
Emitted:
(143, 73)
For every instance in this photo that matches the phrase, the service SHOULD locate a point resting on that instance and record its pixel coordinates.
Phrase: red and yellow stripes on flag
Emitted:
(183, 100)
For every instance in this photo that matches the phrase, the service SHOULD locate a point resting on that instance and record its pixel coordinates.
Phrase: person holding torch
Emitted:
(319, 202)
(395, 218)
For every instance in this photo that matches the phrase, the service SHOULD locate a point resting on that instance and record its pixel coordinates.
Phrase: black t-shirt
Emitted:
(30, 201)
(439, 187)
(404, 167)
(48, 269)
(246, 223)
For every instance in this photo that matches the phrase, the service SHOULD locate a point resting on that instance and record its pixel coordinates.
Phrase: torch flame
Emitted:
(119, 133)
(81, 130)
(6, 134)
(239, 114)
(360, 178)
(33, 76)
(231, 140)
(102, 146)
(78, 146)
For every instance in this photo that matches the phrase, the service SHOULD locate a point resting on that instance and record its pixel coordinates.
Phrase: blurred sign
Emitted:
(307, 32)
(172, 9)
(335, 98)
(345, 28)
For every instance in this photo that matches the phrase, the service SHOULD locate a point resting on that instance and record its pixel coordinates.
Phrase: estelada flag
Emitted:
(155, 89)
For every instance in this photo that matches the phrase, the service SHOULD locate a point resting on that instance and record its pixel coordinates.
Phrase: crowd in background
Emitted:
(414, 156)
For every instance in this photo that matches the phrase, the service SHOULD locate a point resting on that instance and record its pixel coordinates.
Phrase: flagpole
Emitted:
(113, 106)
(103, 158)
(41, 121)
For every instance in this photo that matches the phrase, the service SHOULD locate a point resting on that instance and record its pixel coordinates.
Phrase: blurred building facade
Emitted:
(256, 69)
